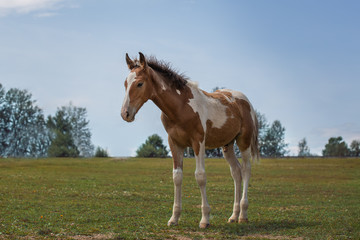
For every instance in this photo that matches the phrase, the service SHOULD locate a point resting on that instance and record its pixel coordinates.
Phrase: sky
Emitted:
(297, 61)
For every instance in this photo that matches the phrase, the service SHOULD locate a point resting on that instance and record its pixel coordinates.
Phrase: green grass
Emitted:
(129, 199)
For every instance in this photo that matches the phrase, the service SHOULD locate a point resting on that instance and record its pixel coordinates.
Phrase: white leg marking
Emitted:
(236, 175)
(245, 172)
(200, 176)
(177, 177)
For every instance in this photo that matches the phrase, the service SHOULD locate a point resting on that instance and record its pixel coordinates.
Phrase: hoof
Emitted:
(243, 220)
(172, 224)
(231, 220)
(204, 225)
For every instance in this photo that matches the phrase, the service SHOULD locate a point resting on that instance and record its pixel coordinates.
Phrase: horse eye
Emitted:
(140, 84)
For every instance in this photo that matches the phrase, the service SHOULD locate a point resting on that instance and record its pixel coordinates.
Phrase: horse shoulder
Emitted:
(182, 132)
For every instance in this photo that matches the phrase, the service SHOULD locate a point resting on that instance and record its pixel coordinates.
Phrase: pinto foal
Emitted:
(197, 119)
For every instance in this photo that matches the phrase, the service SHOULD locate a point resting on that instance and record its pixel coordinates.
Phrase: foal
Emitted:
(197, 119)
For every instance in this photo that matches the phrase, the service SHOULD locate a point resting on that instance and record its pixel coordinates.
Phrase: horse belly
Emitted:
(219, 137)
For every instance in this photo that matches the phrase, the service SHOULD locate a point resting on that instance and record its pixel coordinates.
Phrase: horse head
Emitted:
(138, 87)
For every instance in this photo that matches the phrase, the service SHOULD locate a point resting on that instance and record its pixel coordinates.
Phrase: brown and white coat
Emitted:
(197, 119)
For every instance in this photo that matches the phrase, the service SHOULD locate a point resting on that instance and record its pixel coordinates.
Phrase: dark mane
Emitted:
(174, 78)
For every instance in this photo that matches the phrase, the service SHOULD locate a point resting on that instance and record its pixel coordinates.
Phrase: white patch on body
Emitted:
(178, 91)
(240, 95)
(163, 87)
(208, 108)
(129, 80)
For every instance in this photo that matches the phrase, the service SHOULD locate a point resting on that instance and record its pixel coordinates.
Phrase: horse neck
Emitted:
(166, 98)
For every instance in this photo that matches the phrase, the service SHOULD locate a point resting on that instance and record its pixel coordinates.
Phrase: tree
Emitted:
(336, 147)
(214, 153)
(101, 153)
(62, 144)
(79, 129)
(2, 120)
(71, 134)
(274, 141)
(2, 94)
(304, 150)
(263, 126)
(355, 148)
(23, 130)
(217, 88)
(153, 147)
(189, 152)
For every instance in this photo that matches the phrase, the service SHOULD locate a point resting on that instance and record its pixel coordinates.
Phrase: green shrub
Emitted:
(102, 153)
(153, 147)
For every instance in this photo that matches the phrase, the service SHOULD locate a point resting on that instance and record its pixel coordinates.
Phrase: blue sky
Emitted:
(297, 61)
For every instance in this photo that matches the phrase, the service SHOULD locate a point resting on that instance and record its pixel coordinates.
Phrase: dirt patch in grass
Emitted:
(188, 235)
(94, 237)
(271, 237)
(289, 208)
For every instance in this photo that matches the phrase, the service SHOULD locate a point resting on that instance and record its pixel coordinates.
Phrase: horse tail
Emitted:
(254, 145)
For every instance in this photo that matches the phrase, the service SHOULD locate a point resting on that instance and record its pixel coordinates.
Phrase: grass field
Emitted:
(132, 198)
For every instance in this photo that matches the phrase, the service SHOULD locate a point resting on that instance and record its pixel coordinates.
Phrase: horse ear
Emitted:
(143, 63)
(129, 62)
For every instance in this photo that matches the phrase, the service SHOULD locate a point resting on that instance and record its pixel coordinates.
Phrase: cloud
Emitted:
(349, 131)
(46, 14)
(27, 6)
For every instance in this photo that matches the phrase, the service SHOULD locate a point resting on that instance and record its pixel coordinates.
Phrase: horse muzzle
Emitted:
(128, 114)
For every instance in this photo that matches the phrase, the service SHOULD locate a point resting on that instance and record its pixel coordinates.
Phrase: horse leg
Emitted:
(177, 153)
(235, 170)
(245, 173)
(200, 176)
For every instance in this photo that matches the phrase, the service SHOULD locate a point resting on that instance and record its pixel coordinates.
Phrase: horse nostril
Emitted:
(127, 114)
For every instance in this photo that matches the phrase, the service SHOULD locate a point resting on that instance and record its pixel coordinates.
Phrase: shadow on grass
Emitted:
(265, 227)
(259, 229)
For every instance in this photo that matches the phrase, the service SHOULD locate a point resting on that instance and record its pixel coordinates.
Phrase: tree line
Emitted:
(337, 147)
(26, 132)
